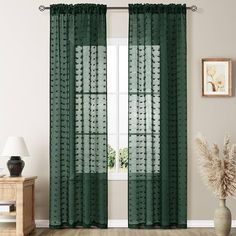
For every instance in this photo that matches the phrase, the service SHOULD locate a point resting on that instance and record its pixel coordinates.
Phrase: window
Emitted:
(117, 89)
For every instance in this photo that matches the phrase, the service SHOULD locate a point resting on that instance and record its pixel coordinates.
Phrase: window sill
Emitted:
(118, 176)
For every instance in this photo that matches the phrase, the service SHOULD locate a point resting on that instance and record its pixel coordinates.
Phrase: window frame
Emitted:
(116, 175)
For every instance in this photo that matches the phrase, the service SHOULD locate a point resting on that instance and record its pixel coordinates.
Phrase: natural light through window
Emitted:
(117, 86)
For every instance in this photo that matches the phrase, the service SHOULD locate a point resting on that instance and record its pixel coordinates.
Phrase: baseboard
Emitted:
(117, 223)
(205, 223)
(200, 223)
(124, 223)
(42, 223)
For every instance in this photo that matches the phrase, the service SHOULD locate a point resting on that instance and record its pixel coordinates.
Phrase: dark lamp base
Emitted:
(15, 166)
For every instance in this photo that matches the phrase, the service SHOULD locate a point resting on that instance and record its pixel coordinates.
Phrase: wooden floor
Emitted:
(126, 232)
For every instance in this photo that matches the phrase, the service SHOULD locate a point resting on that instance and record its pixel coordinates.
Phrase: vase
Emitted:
(222, 219)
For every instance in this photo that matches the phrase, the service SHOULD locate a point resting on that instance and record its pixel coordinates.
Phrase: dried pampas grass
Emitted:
(218, 171)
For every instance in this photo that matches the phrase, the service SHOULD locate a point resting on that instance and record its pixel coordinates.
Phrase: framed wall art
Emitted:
(216, 77)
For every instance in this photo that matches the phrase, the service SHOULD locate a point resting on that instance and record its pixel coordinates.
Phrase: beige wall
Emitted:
(24, 91)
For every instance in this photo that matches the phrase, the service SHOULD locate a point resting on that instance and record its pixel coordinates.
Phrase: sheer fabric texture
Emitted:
(157, 182)
(78, 116)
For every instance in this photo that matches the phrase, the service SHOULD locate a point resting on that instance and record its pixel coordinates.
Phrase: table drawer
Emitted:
(7, 192)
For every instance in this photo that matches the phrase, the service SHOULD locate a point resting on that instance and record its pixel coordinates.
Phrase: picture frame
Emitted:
(217, 77)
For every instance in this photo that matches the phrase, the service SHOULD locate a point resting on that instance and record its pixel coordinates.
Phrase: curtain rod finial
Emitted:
(194, 8)
(41, 8)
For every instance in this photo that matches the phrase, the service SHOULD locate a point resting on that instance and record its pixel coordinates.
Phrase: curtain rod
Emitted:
(192, 8)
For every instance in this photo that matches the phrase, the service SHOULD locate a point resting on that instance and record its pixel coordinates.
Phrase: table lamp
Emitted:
(15, 147)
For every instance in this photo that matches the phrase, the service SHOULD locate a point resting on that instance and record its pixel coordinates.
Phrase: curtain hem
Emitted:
(157, 226)
(78, 225)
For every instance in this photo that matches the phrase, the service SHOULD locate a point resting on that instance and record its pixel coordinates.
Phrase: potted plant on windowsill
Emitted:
(219, 173)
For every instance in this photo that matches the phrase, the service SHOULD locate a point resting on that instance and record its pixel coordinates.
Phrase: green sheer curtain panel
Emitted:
(157, 184)
(78, 116)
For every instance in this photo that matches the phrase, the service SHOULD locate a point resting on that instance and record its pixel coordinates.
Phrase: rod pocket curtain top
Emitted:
(157, 116)
(78, 116)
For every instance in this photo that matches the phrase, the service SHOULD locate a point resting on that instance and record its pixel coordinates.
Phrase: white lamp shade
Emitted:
(15, 146)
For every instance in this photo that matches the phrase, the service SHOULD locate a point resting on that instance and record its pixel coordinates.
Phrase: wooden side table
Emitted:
(21, 191)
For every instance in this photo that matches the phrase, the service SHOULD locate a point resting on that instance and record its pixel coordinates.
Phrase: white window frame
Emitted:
(117, 175)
